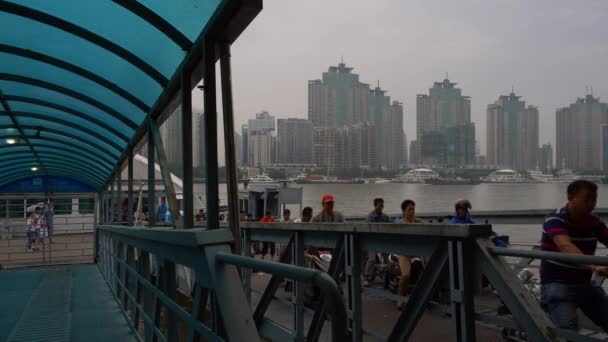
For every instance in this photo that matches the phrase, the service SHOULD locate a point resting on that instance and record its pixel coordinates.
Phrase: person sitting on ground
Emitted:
(306, 216)
(409, 266)
(268, 218)
(375, 216)
(575, 230)
(328, 214)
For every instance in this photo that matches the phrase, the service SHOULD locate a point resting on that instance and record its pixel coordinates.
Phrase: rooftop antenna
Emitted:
(342, 59)
(512, 89)
(378, 83)
(591, 90)
(446, 75)
(586, 90)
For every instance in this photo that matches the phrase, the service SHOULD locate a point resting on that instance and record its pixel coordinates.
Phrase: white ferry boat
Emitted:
(262, 179)
(417, 176)
(504, 176)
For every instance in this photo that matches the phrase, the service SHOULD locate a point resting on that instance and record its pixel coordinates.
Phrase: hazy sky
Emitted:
(549, 50)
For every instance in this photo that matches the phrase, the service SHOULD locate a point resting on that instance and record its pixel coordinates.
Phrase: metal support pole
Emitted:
(211, 158)
(231, 174)
(151, 182)
(112, 205)
(96, 215)
(119, 197)
(187, 176)
(353, 287)
(130, 189)
(298, 289)
(164, 171)
(461, 261)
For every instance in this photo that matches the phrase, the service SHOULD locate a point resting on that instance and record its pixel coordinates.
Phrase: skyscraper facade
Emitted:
(345, 147)
(545, 157)
(442, 116)
(512, 133)
(261, 143)
(295, 140)
(340, 100)
(579, 135)
(238, 148)
(245, 145)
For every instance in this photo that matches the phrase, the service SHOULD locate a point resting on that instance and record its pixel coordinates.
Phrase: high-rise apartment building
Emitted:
(295, 140)
(512, 133)
(346, 147)
(604, 146)
(406, 159)
(414, 160)
(245, 145)
(545, 157)
(438, 116)
(261, 143)
(579, 135)
(238, 148)
(340, 100)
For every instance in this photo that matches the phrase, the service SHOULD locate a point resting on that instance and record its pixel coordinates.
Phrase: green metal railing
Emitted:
(142, 267)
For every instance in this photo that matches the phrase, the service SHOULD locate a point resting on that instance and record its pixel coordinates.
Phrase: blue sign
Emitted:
(46, 184)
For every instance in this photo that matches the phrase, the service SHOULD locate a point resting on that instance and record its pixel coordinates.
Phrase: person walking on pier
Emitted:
(306, 216)
(328, 214)
(268, 218)
(375, 216)
(410, 266)
(566, 287)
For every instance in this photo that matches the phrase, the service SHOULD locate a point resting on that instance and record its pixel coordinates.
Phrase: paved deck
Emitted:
(62, 303)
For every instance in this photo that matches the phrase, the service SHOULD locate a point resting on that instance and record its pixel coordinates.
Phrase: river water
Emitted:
(356, 199)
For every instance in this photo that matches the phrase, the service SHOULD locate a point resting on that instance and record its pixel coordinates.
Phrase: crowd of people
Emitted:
(573, 229)
(39, 225)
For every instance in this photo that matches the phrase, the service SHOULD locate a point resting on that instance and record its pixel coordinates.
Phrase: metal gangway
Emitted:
(84, 85)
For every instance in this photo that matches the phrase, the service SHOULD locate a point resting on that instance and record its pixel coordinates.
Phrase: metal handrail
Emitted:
(321, 279)
(554, 256)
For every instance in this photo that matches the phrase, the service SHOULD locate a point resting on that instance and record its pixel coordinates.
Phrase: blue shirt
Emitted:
(378, 218)
(462, 220)
(162, 212)
(584, 233)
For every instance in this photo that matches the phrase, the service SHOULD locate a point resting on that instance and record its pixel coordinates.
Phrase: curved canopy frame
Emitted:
(77, 93)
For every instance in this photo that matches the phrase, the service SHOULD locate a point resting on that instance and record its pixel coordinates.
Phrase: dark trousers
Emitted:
(562, 300)
(265, 246)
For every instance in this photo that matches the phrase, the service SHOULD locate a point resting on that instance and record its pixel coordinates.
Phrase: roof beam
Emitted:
(85, 34)
(22, 135)
(76, 148)
(48, 118)
(66, 170)
(69, 135)
(60, 165)
(24, 175)
(230, 21)
(157, 21)
(71, 93)
(67, 110)
(76, 70)
(25, 155)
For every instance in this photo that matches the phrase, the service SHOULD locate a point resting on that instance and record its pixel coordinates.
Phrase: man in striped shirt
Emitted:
(565, 287)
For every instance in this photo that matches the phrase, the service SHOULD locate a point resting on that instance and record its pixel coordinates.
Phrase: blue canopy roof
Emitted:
(78, 79)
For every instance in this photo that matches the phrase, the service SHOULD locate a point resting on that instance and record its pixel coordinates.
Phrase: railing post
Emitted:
(246, 272)
(461, 261)
(111, 211)
(187, 188)
(298, 288)
(352, 270)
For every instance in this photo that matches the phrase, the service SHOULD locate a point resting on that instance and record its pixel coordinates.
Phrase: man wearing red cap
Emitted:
(328, 214)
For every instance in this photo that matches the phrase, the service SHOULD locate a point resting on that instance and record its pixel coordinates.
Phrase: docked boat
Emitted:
(262, 179)
(505, 176)
(328, 180)
(417, 176)
(452, 181)
(539, 176)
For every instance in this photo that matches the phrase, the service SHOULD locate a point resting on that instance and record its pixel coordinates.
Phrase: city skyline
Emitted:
(557, 55)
